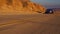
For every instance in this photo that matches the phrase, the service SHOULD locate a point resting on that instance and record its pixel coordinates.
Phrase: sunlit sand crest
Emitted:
(8, 7)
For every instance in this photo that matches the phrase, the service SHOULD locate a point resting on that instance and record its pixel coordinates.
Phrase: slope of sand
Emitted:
(16, 7)
(30, 24)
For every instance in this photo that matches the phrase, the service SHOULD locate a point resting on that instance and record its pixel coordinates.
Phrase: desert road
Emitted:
(30, 24)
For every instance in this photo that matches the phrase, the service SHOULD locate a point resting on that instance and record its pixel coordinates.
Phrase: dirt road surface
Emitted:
(30, 24)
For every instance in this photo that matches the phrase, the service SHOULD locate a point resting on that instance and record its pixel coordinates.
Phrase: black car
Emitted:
(49, 11)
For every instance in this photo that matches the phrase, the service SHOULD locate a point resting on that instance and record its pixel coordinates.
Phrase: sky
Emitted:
(48, 3)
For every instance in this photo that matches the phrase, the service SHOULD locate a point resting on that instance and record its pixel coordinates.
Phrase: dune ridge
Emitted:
(8, 7)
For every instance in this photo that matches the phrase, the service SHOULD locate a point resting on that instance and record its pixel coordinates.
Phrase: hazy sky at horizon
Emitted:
(49, 3)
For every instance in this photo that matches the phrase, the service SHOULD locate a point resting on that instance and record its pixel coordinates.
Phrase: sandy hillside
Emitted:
(13, 7)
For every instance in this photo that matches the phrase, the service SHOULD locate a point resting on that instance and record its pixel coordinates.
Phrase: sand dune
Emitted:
(13, 7)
